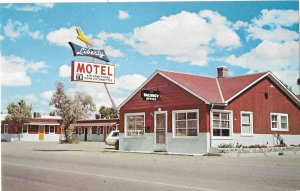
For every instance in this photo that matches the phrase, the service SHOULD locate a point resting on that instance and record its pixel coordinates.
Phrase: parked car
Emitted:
(113, 138)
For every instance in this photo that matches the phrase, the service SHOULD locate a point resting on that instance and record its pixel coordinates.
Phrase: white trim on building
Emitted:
(139, 133)
(186, 120)
(280, 120)
(248, 116)
(5, 128)
(223, 124)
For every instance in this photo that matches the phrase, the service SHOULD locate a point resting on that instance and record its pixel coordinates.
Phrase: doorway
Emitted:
(160, 130)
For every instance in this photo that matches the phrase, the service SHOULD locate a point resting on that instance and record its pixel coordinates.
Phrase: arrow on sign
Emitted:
(82, 37)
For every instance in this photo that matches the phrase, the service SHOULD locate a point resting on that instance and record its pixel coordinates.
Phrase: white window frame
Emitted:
(125, 124)
(23, 126)
(279, 115)
(49, 129)
(174, 112)
(251, 123)
(5, 128)
(230, 124)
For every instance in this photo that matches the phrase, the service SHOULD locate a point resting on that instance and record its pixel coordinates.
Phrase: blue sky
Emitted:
(190, 37)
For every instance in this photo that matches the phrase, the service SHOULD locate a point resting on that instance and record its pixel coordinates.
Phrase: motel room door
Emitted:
(41, 132)
(160, 130)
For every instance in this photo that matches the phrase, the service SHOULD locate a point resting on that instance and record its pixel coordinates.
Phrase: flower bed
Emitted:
(258, 150)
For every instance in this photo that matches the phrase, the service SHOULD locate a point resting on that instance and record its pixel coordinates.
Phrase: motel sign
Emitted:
(92, 72)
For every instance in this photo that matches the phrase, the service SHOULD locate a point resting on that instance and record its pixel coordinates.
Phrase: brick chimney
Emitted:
(222, 71)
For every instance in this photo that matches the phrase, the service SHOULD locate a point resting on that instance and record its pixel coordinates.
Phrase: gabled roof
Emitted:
(215, 90)
(232, 86)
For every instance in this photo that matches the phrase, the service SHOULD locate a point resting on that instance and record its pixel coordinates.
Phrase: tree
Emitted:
(18, 114)
(287, 86)
(108, 112)
(71, 109)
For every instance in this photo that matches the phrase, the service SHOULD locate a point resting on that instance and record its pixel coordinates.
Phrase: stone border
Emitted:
(264, 151)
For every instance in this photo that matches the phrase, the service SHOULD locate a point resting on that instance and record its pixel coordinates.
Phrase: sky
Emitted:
(139, 38)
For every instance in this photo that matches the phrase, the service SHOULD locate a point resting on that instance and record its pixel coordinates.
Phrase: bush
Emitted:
(226, 145)
(258, 146)
(280, 145)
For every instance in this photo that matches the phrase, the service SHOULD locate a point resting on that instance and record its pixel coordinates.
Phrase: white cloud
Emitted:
(36, 35)
(46, 5)
(30, 7)
(62, 36)
(185, 37)
(123, 15)
(277, 35)
(123, 87)
(281, 58)
(1, 37)
(270, 25)
(239, 24)
(277, 18)
(14, 70)
(65, 71)
(45, 97)
(16, 29)
(278, 50)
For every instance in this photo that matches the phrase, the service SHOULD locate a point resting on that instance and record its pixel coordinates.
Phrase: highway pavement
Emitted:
(84, 166)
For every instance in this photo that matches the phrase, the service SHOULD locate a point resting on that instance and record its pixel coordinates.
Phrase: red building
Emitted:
(185, 113)
(94, 129)
(40, 128)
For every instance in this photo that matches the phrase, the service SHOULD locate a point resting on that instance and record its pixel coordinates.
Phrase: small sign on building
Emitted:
(150, 95)
(92, 72)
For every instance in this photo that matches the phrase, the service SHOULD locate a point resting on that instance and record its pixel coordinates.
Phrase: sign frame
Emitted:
(95, 65)
(151, 95)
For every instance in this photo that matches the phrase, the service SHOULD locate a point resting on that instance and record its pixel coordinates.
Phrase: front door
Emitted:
(160, 130)
(41, 132)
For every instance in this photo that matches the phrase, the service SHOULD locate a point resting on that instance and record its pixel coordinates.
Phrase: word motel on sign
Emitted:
(104, 70)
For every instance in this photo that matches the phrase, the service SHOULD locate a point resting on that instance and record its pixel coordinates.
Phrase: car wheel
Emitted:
(117, 145)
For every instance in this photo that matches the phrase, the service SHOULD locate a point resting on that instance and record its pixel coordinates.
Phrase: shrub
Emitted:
(226, 145)
(280, 145)
(257, 146)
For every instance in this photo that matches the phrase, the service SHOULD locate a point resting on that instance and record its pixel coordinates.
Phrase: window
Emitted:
(79, 131)
(279, 122)
(246, 123)
(115, 134)
(24, 129)
(221, 124)
(185, 123)
(99, 130)
(5, 128)
(51, 129)
(135, 124)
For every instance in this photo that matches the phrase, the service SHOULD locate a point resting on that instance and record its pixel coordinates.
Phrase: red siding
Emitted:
(254, 100)
(172, 97)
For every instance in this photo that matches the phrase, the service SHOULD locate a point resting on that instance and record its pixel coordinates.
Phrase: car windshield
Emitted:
(115, 134)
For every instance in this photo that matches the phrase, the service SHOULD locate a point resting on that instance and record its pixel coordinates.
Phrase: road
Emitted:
(50, 166)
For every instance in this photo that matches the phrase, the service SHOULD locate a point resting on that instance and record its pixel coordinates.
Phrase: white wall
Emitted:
(29, 137)
(195, 145)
